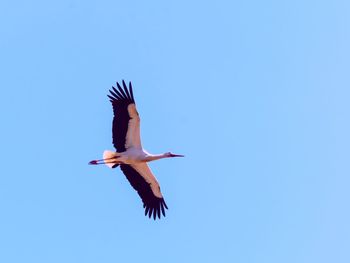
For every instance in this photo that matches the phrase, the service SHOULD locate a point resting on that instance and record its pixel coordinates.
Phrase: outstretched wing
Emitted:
(126, 121)
(146, 185)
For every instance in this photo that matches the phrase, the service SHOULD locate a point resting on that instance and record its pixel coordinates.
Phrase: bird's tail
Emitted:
(110, 160)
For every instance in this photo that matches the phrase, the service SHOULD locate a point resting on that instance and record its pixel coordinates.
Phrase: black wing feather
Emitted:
(126, 89)
(162, 207)
(120, 96)
(158, 210)
(151, 202)
(120, 102)
(131, 93)
(146, 210)
(115, 95)
(121, 91)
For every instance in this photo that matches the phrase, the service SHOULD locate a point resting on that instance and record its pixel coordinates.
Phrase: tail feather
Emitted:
(111, 163)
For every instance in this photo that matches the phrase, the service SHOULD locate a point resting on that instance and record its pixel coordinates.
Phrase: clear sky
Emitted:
(254, 93)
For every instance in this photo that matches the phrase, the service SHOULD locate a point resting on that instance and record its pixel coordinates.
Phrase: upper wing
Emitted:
(146, 185)
(126, 121)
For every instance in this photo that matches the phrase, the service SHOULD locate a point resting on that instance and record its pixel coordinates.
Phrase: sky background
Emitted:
(254, 93)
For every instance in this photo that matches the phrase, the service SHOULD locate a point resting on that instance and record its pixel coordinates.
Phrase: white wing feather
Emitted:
(133, 134)
(144, 170)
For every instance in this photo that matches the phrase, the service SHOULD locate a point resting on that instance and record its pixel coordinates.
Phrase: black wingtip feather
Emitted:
(162, 207)
(122, 91)
(114, 94)
(156, 208)
(124, 85)
(118, 93)
(112, 99)
(126, 91)
(131, 92)
(158, 211)
(165, 204)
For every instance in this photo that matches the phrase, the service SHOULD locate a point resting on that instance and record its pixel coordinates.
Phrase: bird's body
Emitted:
(130, 155)
(134, 156)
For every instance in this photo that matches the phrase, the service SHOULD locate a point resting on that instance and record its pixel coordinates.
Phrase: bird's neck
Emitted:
(153, 157)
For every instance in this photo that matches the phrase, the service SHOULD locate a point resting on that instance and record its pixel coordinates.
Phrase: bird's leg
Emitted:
(103, 161)
(114, 157)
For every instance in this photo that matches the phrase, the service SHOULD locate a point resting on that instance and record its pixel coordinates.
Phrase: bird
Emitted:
(130, 156)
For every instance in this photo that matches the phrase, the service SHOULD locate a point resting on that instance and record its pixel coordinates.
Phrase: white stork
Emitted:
(130, 155)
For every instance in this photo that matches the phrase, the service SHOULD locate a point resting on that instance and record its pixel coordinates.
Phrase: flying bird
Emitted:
(129, 155)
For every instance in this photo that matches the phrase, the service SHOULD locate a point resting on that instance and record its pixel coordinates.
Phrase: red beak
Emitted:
(177, 155)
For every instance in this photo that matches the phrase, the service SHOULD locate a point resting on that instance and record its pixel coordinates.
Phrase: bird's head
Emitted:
(169, 154)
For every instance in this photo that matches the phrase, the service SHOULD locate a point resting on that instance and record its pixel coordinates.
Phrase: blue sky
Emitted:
(254, 93)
